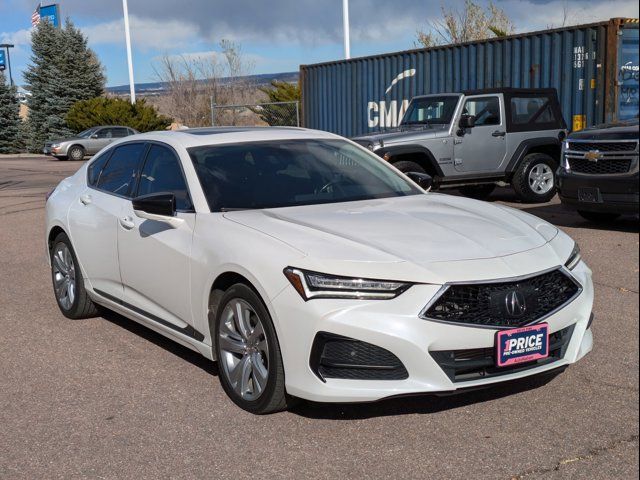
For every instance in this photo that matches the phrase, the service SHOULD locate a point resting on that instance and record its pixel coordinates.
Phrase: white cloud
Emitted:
(146, 34)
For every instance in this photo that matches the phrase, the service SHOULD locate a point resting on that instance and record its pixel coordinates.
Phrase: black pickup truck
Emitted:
(599, 172)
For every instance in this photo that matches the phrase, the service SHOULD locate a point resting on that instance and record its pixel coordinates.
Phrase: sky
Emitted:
(276, 35)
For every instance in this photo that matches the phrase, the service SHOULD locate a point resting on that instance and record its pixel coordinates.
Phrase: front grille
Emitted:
(335, 356)
(605, 166)
(479, 363)
(485, 304)
(603, 146)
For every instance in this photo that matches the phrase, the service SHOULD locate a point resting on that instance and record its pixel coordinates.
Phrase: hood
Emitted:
(611, 131)
(420, 229)
(404, 134)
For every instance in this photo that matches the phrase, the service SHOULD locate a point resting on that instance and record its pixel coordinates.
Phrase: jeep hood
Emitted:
(420, 229)
(404, 134)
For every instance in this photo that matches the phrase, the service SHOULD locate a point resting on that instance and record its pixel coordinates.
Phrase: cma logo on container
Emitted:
(388, 113)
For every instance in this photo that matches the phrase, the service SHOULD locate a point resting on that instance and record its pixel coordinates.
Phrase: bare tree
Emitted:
(193, 80)
(472, 23)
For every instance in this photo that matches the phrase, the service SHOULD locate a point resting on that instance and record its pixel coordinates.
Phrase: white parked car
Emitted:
(308, 267)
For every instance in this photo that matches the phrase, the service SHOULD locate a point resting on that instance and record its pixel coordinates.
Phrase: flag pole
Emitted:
(345, 24)
(132, 86)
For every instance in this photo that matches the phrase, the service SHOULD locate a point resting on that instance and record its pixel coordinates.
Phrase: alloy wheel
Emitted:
(244, 349)
(541, 179)
(64, 276)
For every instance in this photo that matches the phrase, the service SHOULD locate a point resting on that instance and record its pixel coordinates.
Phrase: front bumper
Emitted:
(617, 193)
(395, 326)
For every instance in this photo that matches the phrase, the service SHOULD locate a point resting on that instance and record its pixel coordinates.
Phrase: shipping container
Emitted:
(593, 67)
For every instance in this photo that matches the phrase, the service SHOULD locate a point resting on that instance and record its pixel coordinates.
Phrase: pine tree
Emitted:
(10, 122)
(63, 71)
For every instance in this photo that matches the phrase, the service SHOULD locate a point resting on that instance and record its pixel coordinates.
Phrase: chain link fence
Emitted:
(276, 114)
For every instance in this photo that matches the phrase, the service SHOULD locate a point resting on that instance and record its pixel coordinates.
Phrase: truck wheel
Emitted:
(535, 179)
(406, 166)
(479, 192)
(598, 217)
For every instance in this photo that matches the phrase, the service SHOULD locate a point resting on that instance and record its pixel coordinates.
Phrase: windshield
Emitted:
(430, 110)
(88, 132)
(293, 172)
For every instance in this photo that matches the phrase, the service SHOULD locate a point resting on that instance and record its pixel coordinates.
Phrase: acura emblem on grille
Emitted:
(515, 304)
(593, 155)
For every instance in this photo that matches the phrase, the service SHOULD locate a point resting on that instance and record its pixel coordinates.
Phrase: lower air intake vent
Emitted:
(335, 356)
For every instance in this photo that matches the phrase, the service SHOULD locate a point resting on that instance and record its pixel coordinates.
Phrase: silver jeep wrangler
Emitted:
(478, 139)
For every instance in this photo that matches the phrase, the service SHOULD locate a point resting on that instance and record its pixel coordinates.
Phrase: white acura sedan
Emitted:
(308, 267)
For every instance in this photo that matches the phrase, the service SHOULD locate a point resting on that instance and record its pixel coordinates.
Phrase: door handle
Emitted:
(127, 223)
(498, 133)
(85, 199)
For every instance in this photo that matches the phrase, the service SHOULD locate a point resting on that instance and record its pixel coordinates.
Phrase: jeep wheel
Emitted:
(406, 166)
(76, 153)
(535, 179)
(598, 217)
(479, 192)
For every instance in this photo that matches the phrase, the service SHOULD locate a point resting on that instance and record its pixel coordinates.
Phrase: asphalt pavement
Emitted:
(107, 398)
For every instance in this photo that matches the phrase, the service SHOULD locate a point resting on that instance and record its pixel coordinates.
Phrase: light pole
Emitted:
(7, 46)
(132, 86)
(345, 24)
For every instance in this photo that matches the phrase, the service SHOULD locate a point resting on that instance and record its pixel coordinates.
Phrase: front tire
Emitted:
(406, 166)
(248, 354)
(535, 179)
(76, 153)
(598, 217)
(68, 283)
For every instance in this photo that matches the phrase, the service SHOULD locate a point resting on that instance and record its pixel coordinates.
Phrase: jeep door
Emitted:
(482, 148)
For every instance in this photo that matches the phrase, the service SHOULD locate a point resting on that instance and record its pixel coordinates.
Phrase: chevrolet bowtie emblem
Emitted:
(593, 155)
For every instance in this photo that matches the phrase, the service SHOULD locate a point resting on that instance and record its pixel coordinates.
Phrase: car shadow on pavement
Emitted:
(418, 404)
(178, 350)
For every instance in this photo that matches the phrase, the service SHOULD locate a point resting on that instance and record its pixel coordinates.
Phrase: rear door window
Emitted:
(162, 173)
(119, 175)
(119, 132)
(531, 110)
(96, 166)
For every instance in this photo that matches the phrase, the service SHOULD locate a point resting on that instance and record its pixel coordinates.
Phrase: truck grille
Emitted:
(602, 146)
(485, 304)
(601, 167)
(479, 363)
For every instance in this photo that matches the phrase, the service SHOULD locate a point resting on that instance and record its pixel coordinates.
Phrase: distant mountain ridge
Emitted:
(151, 88)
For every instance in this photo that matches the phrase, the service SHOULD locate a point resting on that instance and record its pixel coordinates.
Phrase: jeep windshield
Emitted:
(431, 110)
(271, 174)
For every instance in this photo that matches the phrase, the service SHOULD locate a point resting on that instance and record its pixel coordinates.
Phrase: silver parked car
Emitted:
(89, 142)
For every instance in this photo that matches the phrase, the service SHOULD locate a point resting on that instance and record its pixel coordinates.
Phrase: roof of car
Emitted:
(194, 137)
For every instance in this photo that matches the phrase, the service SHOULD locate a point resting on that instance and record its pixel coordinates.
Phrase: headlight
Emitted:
(574, 258)
(55, 145)
(319, 285)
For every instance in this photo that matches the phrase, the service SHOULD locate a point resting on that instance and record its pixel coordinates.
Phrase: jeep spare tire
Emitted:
(535, 178)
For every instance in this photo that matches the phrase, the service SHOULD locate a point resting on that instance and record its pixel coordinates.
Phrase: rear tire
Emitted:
(406, 166)
(249, 360)
(479, 192)
(68, 283)
(535, 179)
(76, 153)
(598, 217)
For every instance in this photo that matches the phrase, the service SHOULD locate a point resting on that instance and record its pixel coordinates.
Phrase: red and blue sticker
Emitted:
(521, 345)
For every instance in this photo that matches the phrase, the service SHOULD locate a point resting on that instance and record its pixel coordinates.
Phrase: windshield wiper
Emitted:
(234, 209)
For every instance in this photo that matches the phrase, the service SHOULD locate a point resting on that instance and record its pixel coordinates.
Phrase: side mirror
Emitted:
(422, 179)
(467, 121)
(160, 207)
(94, 136)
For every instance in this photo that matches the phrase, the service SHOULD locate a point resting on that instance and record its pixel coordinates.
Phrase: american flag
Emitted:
(35, 16)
